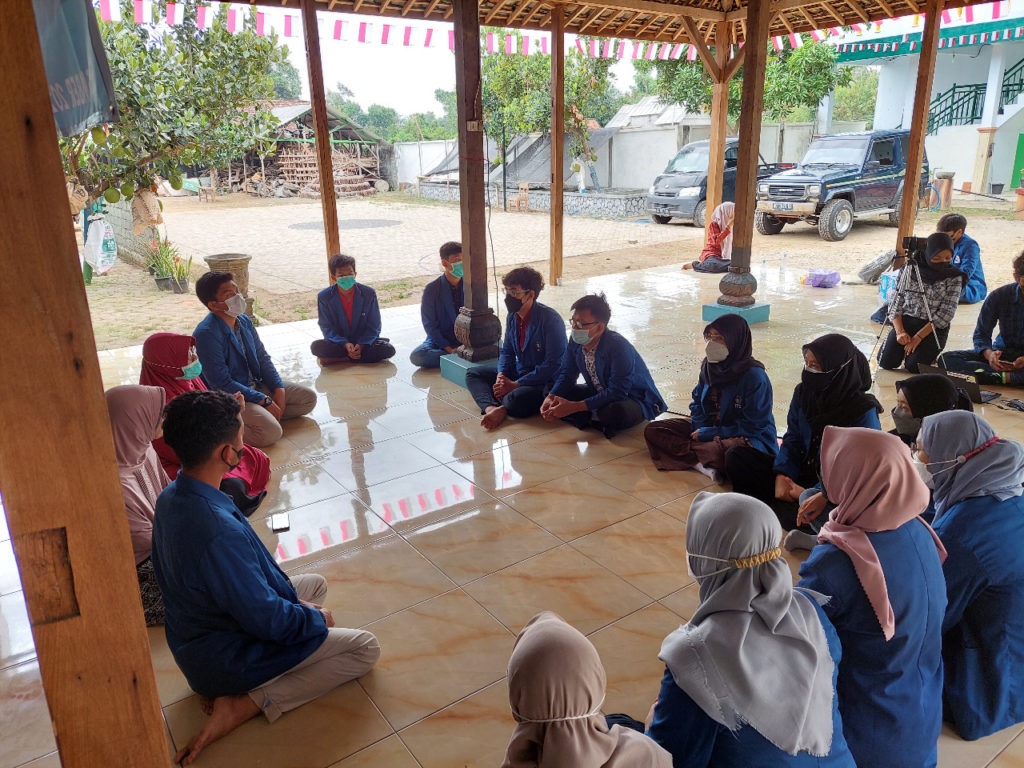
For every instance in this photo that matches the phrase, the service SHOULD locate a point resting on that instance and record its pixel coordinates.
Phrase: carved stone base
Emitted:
(737, 286)
(479, 332)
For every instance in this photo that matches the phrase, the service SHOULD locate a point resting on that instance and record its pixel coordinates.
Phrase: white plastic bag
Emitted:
(100, 246)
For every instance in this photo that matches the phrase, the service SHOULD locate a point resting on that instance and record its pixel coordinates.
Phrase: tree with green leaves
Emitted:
(186, 97)
(856, 99)
(287, 84)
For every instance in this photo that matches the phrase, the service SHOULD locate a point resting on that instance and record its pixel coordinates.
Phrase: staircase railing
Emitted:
(1013, 84)
(960, 105)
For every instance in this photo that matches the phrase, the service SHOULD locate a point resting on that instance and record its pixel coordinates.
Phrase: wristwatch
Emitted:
(267, 401)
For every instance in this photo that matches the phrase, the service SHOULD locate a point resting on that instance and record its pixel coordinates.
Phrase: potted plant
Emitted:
(161, 263)
(181, 269)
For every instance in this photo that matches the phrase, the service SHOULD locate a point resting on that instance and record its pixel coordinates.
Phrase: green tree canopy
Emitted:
(287, 84)
(856, 100)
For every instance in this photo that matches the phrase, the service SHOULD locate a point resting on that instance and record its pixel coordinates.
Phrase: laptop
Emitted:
(963, 381)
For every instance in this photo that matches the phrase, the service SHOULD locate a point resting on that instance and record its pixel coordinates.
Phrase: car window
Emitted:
(883, 151)
(732, 156)
(836, 152)
(689, 160)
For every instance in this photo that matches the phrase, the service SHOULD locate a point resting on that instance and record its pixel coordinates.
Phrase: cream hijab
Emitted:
(556, 687)
(755, 652)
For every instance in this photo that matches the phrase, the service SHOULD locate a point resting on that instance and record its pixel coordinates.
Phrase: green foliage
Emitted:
(287, 84)
(392, 127)
(187, 97)
(856, 100)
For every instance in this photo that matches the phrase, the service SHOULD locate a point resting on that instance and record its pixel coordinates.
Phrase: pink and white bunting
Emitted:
(385, 32)
(175, 14)
(110, 10)
(261, 23)
(338, 29)
(143, 11)
(691, 53)
(204, 17)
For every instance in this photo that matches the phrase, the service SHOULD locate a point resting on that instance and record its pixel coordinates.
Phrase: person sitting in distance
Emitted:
(349, 318)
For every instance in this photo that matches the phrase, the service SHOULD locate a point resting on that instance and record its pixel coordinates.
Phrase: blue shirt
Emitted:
(438, 309)
(621, 371)
(697, 741)
(796, 443)
(983, 633)
(234, 620)
(890, 693)
(334, 324)
(235, 360)
(744, 410)
(1005, 307)
(967, 258)
(538, 361)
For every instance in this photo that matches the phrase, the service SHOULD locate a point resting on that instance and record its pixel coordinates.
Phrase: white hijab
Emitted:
(755, 652)
(721, 216)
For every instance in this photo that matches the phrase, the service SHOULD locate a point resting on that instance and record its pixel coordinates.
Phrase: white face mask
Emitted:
(924, 472)
(236, 305)
(715, 351)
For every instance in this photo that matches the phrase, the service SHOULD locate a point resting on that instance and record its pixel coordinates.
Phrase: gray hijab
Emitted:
(952, 440)
(755, 652)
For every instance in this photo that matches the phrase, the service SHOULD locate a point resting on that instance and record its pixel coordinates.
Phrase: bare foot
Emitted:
(493, 416)
(688, 265)
(206, 704)
(228, 713)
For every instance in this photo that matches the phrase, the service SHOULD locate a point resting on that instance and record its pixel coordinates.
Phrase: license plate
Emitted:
(782, 206)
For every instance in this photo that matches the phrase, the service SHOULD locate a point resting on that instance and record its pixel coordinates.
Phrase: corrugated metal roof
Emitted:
(286, 114)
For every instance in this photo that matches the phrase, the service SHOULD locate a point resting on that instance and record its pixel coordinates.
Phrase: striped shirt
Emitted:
(941, 297)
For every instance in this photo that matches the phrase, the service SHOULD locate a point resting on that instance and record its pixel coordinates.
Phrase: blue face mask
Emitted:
(581, 336)
(457, 269)
(191, 371)
(346, 283)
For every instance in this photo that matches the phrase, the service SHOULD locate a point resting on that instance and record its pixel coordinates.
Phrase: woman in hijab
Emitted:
(730, 434)
(924, 395)
(881, 566)
(913, 337)
(980, 518)
(556, 686)
(750, 680)
(136, 414)
(169, 361)
(717, 253)
(833, 391)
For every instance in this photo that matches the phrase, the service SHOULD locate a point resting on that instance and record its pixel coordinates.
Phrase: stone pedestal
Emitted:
(479, 332)
(455, 368)
(737, 286)
(758, 312)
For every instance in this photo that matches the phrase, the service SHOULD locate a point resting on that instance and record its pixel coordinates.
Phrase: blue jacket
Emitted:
(365, 326)
(744, 410)
(696, 741)
(1003, 307)
(538, 362)
(796, 443)
(983, 633)
(621, 370)
(438, 312)
(234, 362)
(233, 618)
(890, 693)
(967, 258)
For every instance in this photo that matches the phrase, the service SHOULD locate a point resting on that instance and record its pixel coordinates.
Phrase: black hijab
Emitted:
(930, 273)
(736, 332)
(838, 397)
(931, 393)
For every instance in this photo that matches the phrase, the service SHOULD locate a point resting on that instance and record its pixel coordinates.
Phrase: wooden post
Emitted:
(919, 120)
(738, 285)
(58, 473)
(321, 129)
(557, 141)
(719, 120)
(476, 327)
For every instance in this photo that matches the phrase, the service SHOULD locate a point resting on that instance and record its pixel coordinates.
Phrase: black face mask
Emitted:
(906, 424)
(512, 304)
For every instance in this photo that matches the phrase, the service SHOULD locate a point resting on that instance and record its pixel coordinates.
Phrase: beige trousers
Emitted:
(344, 655)
(261, 428)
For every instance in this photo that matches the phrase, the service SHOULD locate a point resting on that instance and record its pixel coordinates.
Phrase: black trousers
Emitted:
(751, 472)
(614, 417)
(381, 349)
(521, 403)
(891, 354)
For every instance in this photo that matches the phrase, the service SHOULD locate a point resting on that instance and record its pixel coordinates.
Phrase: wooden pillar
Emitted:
(719, 119)
(476, 327)
(738, 285)
(919, 120)
(557, 141)
(321, 129)
(58, 473)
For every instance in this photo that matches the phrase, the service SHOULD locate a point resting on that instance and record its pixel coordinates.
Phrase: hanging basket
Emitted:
(145, 211)
(77, 196)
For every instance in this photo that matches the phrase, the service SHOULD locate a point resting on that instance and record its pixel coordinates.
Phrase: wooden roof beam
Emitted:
(495, 11)
(430, 8)
(649, 6)
(887, 8)
(734, 64)
(614, 18)
(649, 22)
(408, 7)
(702, 49)
(858, 9)
(785, 23)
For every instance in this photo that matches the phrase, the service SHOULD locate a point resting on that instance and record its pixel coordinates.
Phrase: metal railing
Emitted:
(1013, 84)
(960, 105)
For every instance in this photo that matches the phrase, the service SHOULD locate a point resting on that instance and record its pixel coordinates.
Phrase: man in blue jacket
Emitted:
(530, 355)
(618, 391)
(442, 300)
(235, 361)
(349, 318)
(966, 257)
(247, 638)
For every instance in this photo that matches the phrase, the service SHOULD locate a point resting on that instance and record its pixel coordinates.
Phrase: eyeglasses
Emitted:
(578, 326)
(518, 293)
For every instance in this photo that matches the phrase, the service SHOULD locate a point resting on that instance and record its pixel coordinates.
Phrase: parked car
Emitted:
(841, 178)
(681, 190)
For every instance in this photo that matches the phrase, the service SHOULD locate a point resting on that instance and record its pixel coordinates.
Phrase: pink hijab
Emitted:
(870, 478)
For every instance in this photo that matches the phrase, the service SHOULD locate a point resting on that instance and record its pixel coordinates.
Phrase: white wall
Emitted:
(953, 149)
(639, 154)
(890, 103)
(414, 158)
(1004, 148)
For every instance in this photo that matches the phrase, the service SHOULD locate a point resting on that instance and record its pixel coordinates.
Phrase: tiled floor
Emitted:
(444, 539)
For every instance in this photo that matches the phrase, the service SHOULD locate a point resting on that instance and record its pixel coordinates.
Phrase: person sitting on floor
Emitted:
(246, 637)
(880, 565)
(1000, 361)
(914, 339)
(556, 688)
(717, 253)
(966, 257)
(976, 480)
(750, 680)
(349, 319)
(530, 354)
(730, 434)
(924, 395)
(442, 300)
(234, 360)
(618, 392)
(135, 417)
(169, 361)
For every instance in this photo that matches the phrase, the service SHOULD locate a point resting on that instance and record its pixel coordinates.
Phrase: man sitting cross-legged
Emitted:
(349, 318)
(530, 355)
(246, 637)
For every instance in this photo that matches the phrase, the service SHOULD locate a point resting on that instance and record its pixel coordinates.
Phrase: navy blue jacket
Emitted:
(967, 258)
(234, 620)
(1003, 307)
(620, 368)
(796, 443)
(541, 356)
(438, 312)
(365, 326)
(234, 361)
(744, 410)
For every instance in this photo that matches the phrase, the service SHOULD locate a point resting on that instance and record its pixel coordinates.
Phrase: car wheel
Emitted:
(894, 217)
(835, 221)
(766, 224)
(700, 214)
(660, 219)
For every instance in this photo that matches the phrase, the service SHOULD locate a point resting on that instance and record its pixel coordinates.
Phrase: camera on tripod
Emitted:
(914, 246)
